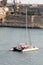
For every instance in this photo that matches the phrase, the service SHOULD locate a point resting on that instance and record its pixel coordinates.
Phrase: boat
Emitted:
(23, 48)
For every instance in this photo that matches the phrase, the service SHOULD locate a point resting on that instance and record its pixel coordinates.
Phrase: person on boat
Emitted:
(25, 46)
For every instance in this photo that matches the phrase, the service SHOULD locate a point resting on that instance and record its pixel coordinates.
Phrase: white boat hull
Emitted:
(30, 49)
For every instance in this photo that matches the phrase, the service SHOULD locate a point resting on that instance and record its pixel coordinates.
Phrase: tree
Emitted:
(4, 2)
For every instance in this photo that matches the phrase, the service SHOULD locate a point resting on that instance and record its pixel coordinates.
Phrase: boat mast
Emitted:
(27, 30)
(26, 27)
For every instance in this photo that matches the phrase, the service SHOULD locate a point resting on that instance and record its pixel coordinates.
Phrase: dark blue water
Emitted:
(13, 36)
